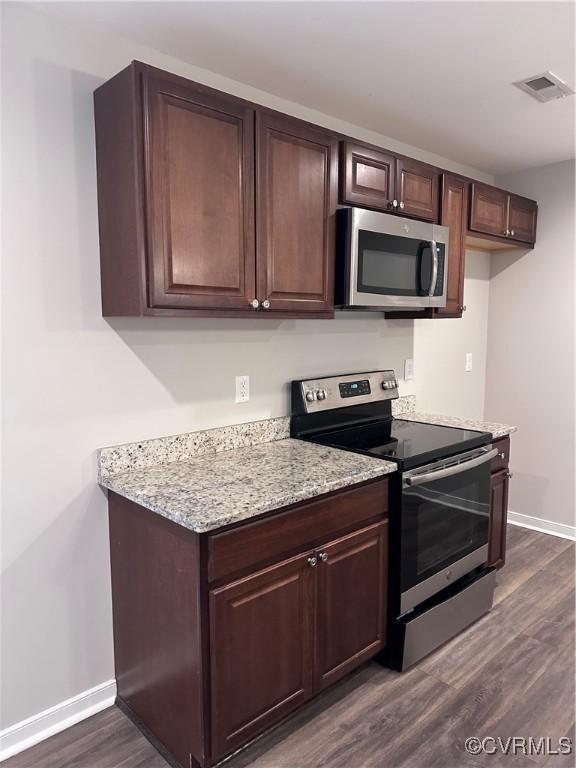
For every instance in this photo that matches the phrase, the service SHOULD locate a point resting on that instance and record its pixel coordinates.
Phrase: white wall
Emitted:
(442, 383)
(530, 369)
(73, 382)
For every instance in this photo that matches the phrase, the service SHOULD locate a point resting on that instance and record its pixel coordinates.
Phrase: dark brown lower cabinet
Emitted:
(351, 601)
(220, 635)
(261, 650)
(500, 481)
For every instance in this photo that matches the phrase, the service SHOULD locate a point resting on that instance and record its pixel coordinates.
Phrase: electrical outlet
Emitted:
(242, 389)
(408, 369)
(468, 361)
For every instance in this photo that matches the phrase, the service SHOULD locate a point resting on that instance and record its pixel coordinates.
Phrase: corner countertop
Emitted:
(206, 492)
(495, 429)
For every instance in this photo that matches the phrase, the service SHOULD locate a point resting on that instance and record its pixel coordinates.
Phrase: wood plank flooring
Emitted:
(511, 674)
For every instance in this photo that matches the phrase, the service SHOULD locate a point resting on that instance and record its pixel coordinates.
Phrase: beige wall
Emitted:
(530, 368)
(73, 382)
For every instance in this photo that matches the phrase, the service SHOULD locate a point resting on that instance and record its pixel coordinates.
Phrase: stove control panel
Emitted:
(326, 393)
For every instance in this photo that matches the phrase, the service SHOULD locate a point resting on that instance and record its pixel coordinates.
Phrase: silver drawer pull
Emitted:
(312, 561)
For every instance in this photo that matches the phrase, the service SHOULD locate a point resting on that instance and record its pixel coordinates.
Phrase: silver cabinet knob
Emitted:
(507, 232)
(323, 556)
(464, 308)
(509, 475)
(511, 233)
(501, 455)
(394, 203)
(254, 303)
(266, 304)
(401, 206)
(312, 561)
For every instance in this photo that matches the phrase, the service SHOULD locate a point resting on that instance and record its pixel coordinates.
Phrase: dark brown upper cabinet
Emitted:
(454, 212)
(199, 152)
(296, 209)
(377, 179)
(417, 189)
(179, 169)
(499, 214)
(522, 215)
(367, 177)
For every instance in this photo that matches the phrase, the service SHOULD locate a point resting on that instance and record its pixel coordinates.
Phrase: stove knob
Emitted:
(310, 396)
(384, 385)
(321, 394)
(395, 384)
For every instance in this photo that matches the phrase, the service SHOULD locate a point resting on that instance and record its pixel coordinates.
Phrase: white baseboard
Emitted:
(28, 732)
(544, 526)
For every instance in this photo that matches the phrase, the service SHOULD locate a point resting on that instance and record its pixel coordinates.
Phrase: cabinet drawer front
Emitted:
(261, 645)
(501, 461)
(199, 189)
(304, 526)
(352, 598)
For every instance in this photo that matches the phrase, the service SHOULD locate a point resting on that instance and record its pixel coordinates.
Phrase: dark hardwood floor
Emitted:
(511, 674)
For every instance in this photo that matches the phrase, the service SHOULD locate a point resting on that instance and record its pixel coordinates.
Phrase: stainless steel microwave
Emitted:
(389, 262)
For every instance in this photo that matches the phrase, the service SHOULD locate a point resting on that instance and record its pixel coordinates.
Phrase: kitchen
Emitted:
(260, 403)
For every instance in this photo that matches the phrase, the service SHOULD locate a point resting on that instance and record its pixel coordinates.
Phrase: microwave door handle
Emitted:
(440, 474)
(434, 277)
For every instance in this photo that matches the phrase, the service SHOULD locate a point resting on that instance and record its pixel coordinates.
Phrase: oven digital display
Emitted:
(354, 388)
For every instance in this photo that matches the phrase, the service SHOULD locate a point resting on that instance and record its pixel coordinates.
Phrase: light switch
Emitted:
(409, 369)
(468, 361)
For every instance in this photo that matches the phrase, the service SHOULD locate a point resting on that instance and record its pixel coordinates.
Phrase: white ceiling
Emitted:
(433, 74)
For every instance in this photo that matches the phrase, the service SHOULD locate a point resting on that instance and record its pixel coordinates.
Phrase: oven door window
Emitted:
(392, 265)
(443, 521)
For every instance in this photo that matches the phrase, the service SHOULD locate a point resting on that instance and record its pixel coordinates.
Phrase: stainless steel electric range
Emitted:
(439, 582)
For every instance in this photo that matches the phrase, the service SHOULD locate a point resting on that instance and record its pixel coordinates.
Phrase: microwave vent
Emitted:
(545, 87)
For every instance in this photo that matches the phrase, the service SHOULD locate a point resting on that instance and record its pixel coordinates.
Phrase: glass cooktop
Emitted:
(410, 443)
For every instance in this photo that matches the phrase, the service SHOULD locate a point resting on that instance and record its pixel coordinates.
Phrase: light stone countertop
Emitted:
(208, 479)
(209, 491)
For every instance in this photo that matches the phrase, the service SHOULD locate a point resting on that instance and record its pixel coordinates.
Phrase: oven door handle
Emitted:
(456, 469)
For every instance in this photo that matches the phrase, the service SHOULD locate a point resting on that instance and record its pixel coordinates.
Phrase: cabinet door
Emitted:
(454, 211)
(261, 645)
(352, 593)
(417, 189)
(199, 191)
(368, 177)
(488, 210)
(296, 193)
(522, 219)
(498, 519)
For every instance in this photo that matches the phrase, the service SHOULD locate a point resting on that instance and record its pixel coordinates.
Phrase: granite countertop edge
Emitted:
(272, 504)
(205, 493)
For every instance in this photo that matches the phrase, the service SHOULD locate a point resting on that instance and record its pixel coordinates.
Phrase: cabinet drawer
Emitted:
(297, 528)
(501, 461)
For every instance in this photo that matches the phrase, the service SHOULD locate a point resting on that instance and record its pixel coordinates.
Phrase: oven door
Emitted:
(396, 263)
(444, 526)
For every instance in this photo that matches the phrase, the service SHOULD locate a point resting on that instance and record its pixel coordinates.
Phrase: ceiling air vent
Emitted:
(545, 87)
